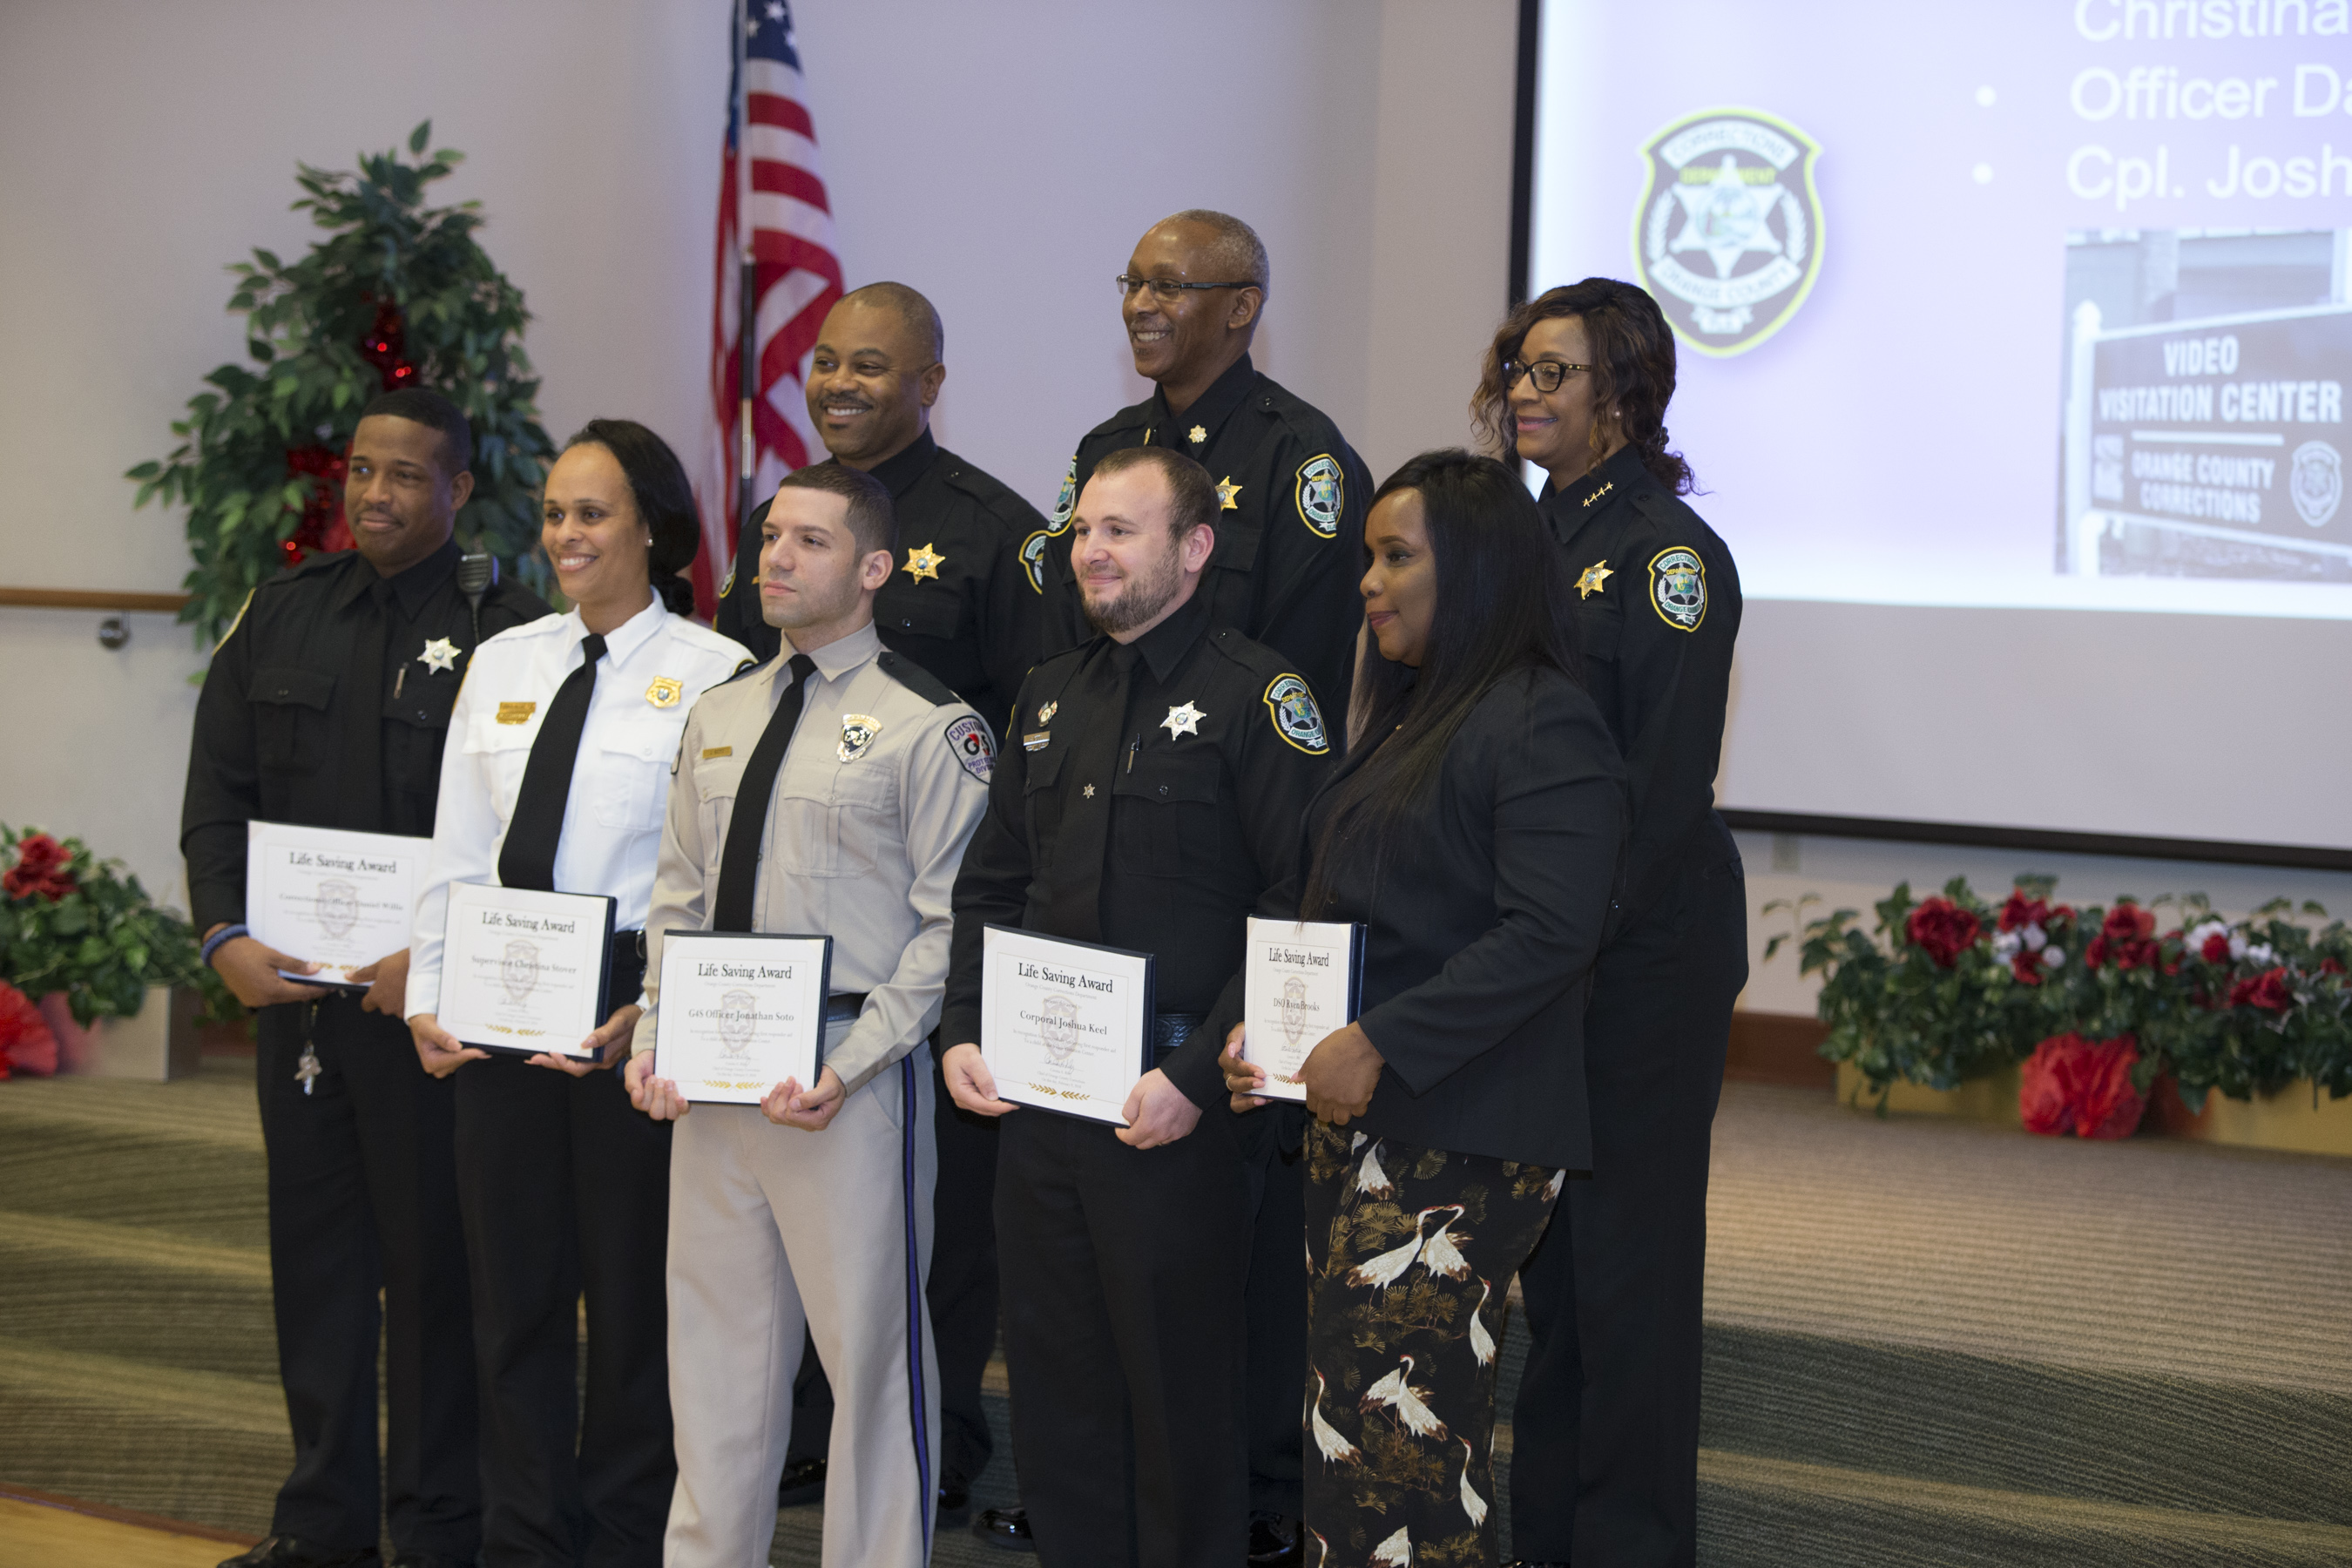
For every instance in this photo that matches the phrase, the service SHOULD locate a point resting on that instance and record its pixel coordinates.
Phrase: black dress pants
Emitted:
(1604, 1468)
(961, 1295)
(565, 1192)
(363, 1198)
(1274, 1302)
(1122, 1272)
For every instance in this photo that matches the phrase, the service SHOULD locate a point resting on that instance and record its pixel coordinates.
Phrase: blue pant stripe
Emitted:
(907, 1134)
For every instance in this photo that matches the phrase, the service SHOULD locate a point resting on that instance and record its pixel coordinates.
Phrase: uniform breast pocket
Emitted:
(714, 780)
(290, 718)
(1165, 820)
(865, 815)
(502, 752)
(1043, 800)
(632, 767)
(923, 610)
(1599, 628)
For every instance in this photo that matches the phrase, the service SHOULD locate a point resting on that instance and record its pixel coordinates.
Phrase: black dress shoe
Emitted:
(1276, 1542)
(955, 1506)
(293, 1551)
(1005, 1527)
(803, 1481)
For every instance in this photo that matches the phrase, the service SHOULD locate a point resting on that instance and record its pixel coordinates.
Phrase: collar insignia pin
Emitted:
(1227, 492)
(923, 561)
(1088, 792)
(1593, 579)
(1182, 719)
(440, 654)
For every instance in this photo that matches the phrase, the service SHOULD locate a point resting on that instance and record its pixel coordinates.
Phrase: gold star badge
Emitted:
(440, 654)
(923, 561)
(1594, 578)
(1226, 491)
(1199, 432)
(1088, 792)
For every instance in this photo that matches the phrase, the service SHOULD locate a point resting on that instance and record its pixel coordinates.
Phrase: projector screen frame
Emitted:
(1528, 85)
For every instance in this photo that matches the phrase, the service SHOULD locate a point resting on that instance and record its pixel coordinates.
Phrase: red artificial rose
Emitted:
(2216, 948)
(39, 869)
(2095, 954)
(2073, 1085)
(2026, 967)
(2128, 936)
(2022, 911)
(2330, 966)
(1943, 930)
(2267, 991)
(24, 1039)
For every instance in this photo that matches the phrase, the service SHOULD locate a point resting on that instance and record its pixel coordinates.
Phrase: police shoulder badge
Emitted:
(969, 738)
(1322, 494)
(1032, 558)
(1728, 235)
(665, 691)
(1678, 587)
(728, 586)
(1296, 717)
(1067, 502)
(857, 732)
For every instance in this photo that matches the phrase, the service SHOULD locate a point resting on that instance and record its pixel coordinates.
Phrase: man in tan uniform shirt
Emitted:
(813, 1209)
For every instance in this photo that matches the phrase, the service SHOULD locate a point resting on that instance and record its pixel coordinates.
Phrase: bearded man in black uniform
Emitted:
(1605, 1435)
(327, 705)
(959, 605)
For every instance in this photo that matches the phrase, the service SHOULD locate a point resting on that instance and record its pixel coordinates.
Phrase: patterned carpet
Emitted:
(1930, 1343)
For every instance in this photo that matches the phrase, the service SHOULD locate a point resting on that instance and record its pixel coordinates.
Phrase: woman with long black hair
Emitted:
(1577, 381)
(556, 775)
(1474, 828)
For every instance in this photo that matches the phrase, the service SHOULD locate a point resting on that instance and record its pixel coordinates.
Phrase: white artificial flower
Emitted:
(2260, 954)
(2053, 955)
(2237, 945)
(2005, 944)
(2033, 936)
(2197, 936)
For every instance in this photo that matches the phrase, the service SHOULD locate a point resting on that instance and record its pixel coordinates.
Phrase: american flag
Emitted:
(796, 279)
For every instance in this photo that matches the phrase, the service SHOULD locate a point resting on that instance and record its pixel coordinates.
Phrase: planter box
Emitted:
(1993, 1099)
(2286, 1121)
(158, 1043)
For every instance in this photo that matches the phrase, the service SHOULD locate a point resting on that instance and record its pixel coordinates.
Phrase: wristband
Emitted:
(213, 943)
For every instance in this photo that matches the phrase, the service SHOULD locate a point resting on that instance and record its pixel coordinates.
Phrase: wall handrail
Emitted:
(92, 599)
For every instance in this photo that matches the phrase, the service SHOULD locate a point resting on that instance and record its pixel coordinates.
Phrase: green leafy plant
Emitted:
(75, 924)
(397, 294)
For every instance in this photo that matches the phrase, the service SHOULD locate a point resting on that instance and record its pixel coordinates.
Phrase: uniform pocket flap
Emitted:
(484, 733)
(653, 743)
(718, 778)
(1043, 768)
(289, 683)
(1170, 776)
(928, 611)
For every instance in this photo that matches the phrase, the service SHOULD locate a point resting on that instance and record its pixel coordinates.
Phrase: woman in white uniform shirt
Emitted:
(558, 771)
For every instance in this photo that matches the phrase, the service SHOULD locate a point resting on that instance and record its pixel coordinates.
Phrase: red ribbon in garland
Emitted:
(323, 527)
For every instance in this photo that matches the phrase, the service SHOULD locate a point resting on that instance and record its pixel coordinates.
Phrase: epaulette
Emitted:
(994, 496)
(1245, 650)
(915, 679)
(750, 667)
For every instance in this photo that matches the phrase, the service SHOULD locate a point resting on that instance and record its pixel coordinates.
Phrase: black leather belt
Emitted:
(1169, 1030)
(842, 1006)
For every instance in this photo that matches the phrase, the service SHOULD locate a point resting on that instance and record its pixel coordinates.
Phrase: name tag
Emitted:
(710, 751)
(1037, 743)
(517, 713)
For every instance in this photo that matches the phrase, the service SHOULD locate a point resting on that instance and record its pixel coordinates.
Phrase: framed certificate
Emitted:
(739, 1014)
(1064, 1025)
(523, 971)
(1302, 979)
(337, 898)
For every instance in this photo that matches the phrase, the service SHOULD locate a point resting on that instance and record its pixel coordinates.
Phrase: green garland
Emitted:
(72, 922)
(397, 294)
(1950, 988)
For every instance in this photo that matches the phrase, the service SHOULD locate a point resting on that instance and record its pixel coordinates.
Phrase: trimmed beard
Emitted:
(1142, 598)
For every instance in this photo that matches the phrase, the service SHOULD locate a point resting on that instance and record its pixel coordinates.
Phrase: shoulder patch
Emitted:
(1678, 587)
(974, 748)
(1067, 502)
(1032, 558)
(1322, 494)
(915, 679)
(728, 586)
(1296, 717)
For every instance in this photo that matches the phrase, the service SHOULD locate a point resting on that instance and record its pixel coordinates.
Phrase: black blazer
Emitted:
(1485, 921)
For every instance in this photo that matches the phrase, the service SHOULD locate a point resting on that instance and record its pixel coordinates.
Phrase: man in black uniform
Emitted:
(327, 705)
(960, 606)
(1291, 498)
(1608, 1405)
(1153, 799)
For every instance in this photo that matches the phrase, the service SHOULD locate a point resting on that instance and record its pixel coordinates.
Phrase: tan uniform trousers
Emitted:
(771, 1228)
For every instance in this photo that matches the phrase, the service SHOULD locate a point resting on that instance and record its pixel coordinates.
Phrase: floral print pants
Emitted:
(1410, 1255)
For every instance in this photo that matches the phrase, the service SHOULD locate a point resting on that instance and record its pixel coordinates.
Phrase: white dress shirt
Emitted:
(655, 666)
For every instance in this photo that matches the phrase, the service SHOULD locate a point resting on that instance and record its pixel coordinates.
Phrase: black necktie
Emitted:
(738, 863)
(529, 858)
(363, 751)
(1082, 842)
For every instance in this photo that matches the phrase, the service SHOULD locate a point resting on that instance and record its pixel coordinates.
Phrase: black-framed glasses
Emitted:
(1549, 374)
(1167, 291)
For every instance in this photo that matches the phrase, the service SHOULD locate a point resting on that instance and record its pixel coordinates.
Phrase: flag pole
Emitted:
(746, 275)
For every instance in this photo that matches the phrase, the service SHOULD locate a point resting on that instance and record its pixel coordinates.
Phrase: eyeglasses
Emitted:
(1549, 374)
(1167, 291)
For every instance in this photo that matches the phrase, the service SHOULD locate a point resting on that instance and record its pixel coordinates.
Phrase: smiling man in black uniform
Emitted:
(327, 705)
(960, 605)
(1291, 496)
(1606, 1429)
(1153, 799)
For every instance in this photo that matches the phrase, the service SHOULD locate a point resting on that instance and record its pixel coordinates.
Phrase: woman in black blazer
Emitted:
(1474, 829)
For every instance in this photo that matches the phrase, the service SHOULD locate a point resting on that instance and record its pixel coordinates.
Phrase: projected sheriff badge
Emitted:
(1728, 231)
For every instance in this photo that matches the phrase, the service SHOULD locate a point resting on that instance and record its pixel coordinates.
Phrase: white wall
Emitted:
(1002, 160)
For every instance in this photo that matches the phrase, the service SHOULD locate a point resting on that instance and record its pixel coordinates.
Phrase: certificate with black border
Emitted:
(1301, 981)
(524, 970)
(740, 1012)
(1065, 1026)
(332, 897)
